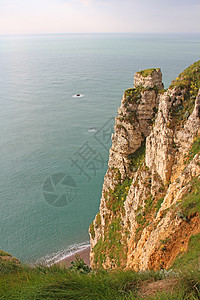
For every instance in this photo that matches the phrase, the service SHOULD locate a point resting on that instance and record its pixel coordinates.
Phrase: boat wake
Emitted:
(78, 96)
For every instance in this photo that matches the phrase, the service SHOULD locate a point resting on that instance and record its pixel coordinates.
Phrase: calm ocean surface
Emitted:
(53, 146)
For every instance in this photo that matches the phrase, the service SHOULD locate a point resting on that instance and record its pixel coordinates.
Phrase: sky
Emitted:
(89, 16)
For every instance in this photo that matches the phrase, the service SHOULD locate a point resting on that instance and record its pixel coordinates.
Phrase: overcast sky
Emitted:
(69, 16)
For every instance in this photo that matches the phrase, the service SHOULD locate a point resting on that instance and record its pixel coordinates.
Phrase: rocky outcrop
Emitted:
(149, 78)
(134, 121)
(7, 258)
(146, 217)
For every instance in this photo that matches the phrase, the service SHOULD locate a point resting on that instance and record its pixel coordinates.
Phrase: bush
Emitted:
(79, 265)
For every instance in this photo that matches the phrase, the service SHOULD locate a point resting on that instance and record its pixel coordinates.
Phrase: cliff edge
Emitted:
(150, 200)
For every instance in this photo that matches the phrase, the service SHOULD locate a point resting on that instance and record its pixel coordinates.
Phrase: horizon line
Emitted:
(82, 33)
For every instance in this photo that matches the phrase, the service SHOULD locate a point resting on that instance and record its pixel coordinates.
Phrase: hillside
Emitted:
(40, 282)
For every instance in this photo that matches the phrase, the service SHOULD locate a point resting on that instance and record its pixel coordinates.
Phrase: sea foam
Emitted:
(51, 259)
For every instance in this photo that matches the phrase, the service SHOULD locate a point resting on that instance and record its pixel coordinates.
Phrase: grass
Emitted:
(7, 267)
(189, 78)
(132, 95)
(189, 83)
(98, 219)
(56, 283)
(3, 253)
(115, 198)
(148, 72)
(137, 158)
(112, 246)
(190, 203)
(99, 253)
(195, 148)
(191, 257)
(147, 214)
(159, 203)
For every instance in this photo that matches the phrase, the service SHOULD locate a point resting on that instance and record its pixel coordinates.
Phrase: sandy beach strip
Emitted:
(84, 254)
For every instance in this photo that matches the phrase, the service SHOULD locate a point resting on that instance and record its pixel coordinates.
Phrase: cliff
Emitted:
(150, 200)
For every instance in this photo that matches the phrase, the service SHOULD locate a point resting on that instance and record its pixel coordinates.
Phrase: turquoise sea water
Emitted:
(53, 146)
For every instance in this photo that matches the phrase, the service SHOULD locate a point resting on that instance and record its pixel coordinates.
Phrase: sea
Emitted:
(59, 96)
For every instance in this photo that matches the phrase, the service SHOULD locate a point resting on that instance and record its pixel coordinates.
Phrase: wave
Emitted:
(92, 130)
(54, 258)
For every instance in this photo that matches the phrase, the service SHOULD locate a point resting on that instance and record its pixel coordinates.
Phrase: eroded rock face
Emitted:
(149, 78)
(141, 224)
(161, 241)
(134, 121)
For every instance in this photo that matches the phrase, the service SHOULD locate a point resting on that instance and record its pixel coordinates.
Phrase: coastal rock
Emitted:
(154, 166)
(149, 78)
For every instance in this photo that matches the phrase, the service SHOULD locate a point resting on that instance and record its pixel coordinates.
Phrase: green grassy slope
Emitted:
(55, 283)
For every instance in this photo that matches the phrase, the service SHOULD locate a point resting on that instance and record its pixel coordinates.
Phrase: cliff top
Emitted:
(148, 72)
(189, 78)
(149, 78)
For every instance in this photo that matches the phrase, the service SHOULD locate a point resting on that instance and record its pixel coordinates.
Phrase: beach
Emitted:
(84, 254)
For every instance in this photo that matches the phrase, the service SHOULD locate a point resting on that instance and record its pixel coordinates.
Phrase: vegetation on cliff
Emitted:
(187, 85)
(114, 244)
(189, 79)
(147, 72)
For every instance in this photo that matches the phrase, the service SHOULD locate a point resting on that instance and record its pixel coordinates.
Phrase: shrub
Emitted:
(79, 265)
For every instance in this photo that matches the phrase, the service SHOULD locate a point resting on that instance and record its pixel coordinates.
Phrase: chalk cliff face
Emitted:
(149, 205)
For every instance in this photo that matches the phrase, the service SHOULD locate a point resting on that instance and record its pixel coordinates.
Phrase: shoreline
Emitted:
(82, 253)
